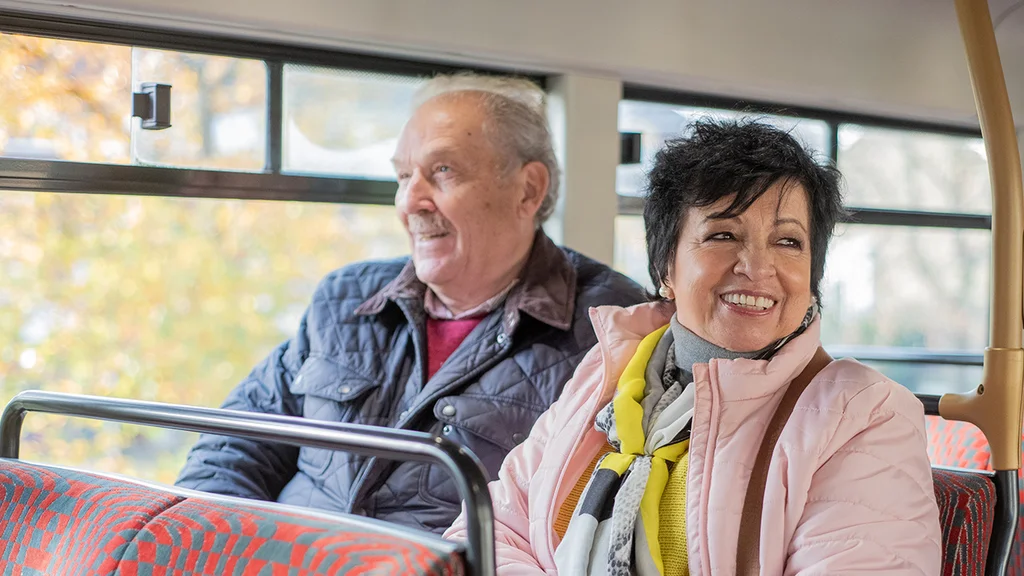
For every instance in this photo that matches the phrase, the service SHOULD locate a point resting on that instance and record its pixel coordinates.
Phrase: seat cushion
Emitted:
(67, 522)
(216, 536)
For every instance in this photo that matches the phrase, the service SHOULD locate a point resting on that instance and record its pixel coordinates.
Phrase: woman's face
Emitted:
(742, 283)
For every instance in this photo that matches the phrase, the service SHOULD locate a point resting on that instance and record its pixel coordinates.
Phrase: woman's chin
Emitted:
(744, 343)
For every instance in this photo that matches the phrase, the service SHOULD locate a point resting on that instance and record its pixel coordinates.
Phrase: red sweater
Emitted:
(443, 337)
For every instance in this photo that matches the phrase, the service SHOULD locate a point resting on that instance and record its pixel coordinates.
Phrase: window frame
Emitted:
(271, 184)
(27, 175)
(633, 206)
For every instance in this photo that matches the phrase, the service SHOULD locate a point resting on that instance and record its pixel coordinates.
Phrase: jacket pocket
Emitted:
(489, 426)
(331, 393)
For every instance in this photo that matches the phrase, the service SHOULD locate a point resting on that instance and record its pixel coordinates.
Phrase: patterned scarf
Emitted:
(614, 529)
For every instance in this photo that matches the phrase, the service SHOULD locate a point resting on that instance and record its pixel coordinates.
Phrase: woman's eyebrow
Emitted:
(782, 221)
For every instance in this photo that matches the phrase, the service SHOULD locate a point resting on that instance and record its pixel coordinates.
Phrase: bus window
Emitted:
(64, 100)
(165, 299)
(112, 291)
(913, 170)
(657, 122)
(218, 111)
(343, 122)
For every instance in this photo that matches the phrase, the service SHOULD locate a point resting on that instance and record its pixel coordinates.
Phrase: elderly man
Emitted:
(472, 338)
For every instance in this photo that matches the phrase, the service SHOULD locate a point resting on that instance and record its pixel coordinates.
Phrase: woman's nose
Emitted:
(756, 263)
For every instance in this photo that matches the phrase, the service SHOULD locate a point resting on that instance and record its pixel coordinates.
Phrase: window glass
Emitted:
(218, 111)
(631, 249)
(660, 122)
(902, 286)
(164, 299)
(64, 100)
(908, 170)
(934, 379)
(343, 122)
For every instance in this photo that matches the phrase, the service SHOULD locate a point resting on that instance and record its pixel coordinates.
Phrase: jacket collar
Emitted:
(546, 290)
(619, 331)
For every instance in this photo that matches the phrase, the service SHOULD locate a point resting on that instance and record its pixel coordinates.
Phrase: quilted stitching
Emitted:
(383, 350)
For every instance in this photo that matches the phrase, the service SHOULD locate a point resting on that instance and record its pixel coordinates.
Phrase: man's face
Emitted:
(466, 208)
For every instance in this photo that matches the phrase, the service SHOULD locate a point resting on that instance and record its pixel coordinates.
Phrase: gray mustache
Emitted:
(429, 223)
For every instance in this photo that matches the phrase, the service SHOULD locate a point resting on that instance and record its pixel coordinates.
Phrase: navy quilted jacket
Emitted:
(360, 356)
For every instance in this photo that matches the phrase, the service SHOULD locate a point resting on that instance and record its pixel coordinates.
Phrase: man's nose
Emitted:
(417, 195)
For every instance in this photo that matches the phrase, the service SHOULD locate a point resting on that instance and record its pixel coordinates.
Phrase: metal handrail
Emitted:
(996, 405)
(463, 466)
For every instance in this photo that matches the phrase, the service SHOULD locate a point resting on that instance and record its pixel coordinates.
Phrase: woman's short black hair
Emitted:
(723, 158)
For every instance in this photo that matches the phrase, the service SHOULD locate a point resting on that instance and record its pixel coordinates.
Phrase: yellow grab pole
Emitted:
(995, 406)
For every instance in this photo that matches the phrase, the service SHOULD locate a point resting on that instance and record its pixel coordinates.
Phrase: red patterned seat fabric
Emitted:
(962, 445)
(64, 522)
(58, 521)
(957, 444)
(966, 512)
(200, 536)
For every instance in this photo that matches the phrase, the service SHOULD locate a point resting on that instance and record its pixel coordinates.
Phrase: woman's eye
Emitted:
(721, 236)
(791, 242)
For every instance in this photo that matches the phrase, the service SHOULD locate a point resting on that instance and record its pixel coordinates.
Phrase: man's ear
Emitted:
(535, 178)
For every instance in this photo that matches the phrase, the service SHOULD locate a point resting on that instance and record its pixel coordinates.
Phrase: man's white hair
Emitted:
(518, 121)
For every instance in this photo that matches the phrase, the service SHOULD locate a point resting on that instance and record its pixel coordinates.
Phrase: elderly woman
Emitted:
(643, 464)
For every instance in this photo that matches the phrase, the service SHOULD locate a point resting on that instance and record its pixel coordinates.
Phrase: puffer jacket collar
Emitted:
(547, 291)
(618, 331)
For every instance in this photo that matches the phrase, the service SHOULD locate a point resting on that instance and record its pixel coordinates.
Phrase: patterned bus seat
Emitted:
(962, 445)
(61, 521)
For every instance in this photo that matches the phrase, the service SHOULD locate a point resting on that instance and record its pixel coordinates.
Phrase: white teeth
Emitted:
(432, 236)
(756, 302)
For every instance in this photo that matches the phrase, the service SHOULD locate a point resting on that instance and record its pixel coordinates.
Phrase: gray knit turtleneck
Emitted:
(691, 349)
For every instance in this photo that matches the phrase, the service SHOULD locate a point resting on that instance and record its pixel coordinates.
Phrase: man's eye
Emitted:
(404, 176)
(443, 168)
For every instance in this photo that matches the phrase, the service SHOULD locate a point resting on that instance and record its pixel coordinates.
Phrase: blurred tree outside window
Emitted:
(165, 299)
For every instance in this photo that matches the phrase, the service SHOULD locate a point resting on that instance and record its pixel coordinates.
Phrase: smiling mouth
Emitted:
(431, 236)
(749, 302)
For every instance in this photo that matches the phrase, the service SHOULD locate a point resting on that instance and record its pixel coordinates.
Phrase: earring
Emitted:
(665, 292)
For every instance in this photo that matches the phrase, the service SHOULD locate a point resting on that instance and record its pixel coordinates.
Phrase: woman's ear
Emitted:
(666, 292)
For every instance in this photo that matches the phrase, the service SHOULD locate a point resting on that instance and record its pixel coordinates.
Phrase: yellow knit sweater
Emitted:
(672, 513)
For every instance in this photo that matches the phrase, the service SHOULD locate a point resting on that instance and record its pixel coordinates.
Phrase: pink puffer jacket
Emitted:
(849, 487)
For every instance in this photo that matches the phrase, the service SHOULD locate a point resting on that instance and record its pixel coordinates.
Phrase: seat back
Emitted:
(64, 522)
(966, 513)
(61, 521)
(962, 445)
(268, 533)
